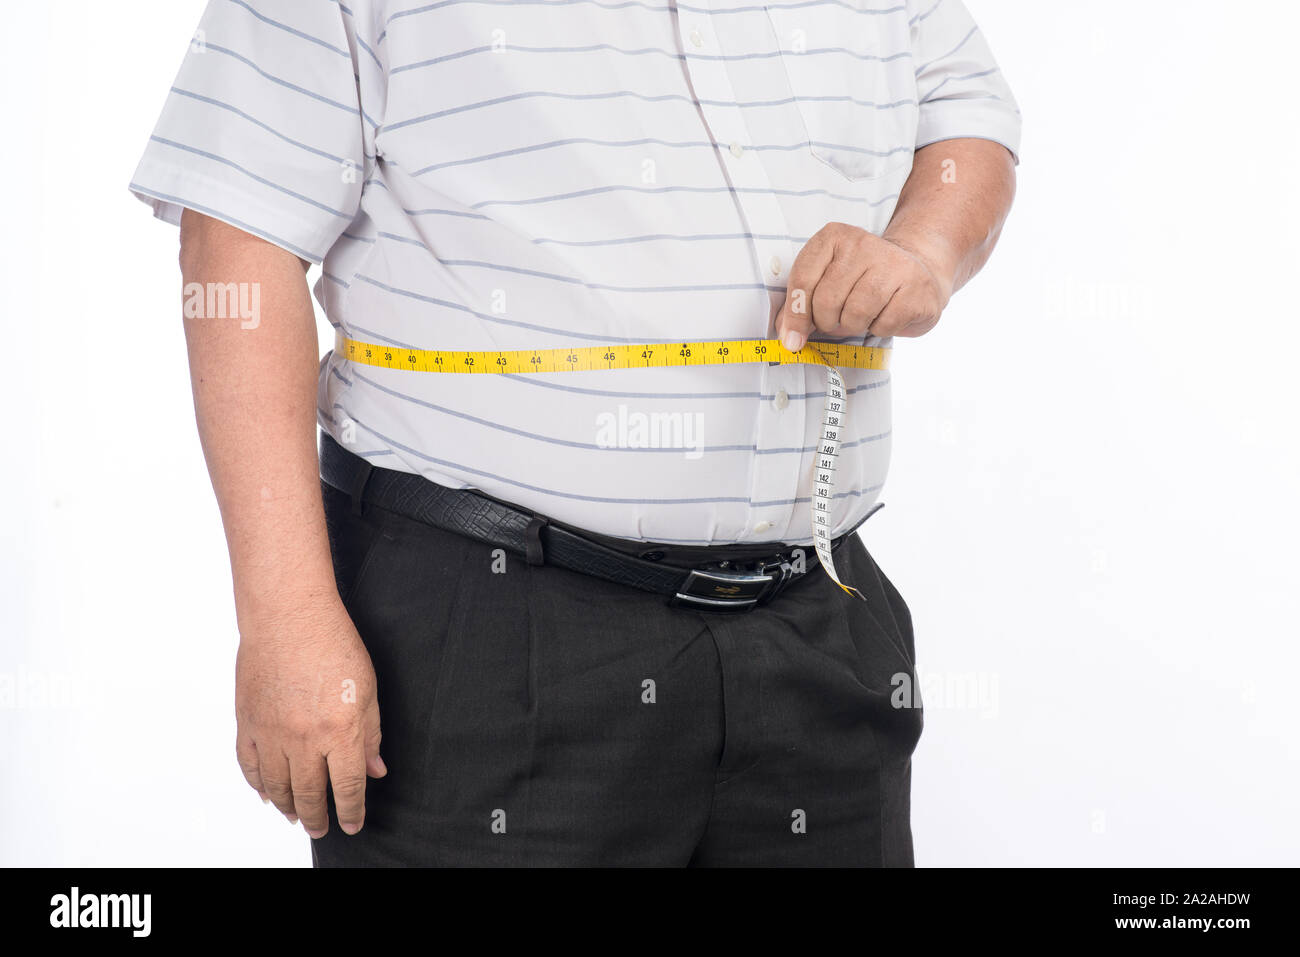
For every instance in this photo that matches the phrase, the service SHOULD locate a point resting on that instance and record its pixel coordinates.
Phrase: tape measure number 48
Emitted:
(834, 356)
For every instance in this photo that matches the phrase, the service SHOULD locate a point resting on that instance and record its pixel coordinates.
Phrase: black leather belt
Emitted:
(724, 578)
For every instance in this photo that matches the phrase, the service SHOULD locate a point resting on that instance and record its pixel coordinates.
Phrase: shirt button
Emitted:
(782, 399)
(775, 265)
(696, 39)
(762, 527)
(737, 150)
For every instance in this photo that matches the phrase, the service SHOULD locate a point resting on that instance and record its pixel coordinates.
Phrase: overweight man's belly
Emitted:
(714, 455)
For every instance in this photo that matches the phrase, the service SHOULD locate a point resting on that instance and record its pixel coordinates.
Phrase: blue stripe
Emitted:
(250, 174)
(351, 110)
(607, 287)
(485, 316)
(217, 214)
(360, 42)
(567, 334)
(291, 30)
(653, 7)
(597, 190)
(964, 40)
(446, 212)
(658, 237)
(526, 433)
(256, 122)
(373, 55)
(594, 191)
(968, 76)
(590, 446)
(646, 51)
(720, 499)
(646, 141)
(694, 396)
(316, 40)
(642, 97)
(920, 17)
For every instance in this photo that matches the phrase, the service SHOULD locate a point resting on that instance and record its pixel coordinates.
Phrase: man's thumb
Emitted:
(794, 322)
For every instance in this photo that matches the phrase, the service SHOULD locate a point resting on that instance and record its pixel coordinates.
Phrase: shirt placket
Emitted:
(779, 420)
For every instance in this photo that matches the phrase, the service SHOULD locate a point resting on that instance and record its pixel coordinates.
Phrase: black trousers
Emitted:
(534, 716)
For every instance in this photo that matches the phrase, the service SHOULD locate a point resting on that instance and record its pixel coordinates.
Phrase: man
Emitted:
(584, 608)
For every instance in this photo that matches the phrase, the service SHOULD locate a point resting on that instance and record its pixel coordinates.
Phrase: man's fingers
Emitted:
(895, 317)
(871, 294)
(310, 781)
(375, 766)
(273, 766)
(833, 288)
(913, 311)
(347, 771)
(794, 323)
(246, 754)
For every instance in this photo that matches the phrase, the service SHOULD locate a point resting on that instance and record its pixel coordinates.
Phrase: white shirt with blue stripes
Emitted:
(480, 175)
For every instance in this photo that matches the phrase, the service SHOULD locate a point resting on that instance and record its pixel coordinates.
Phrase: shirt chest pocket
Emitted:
(852, 85)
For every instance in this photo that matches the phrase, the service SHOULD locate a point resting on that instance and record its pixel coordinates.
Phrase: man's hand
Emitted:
(307, 714)
(849, 283)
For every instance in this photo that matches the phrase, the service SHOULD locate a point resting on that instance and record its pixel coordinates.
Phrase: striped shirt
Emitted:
(490, 175)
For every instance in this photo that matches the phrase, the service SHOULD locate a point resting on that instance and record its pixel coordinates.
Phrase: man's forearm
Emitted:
(953, 206)
(255, 401)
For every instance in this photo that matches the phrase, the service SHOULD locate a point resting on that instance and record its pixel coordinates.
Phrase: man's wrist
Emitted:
(937, 256)
(267, 599)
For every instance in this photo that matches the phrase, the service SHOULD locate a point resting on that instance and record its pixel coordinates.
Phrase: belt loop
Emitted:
(533, 541)
(359, 485)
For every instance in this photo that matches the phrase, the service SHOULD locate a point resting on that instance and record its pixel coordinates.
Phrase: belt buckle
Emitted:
(712, 589)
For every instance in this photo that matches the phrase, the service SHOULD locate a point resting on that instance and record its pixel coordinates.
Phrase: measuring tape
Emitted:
(665, 355)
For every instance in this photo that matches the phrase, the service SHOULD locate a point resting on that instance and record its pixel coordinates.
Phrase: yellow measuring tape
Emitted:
(589, 358)
(669, 355)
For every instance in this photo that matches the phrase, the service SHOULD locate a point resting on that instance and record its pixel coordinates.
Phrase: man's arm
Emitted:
(847, 282)
(255, 402)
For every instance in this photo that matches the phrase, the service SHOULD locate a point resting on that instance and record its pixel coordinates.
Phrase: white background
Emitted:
(1092, 509)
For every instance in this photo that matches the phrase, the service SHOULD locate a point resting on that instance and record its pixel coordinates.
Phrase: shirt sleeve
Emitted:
(960, 89)
(264, 127)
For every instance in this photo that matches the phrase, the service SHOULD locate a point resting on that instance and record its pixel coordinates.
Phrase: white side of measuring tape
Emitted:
(825, 459)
